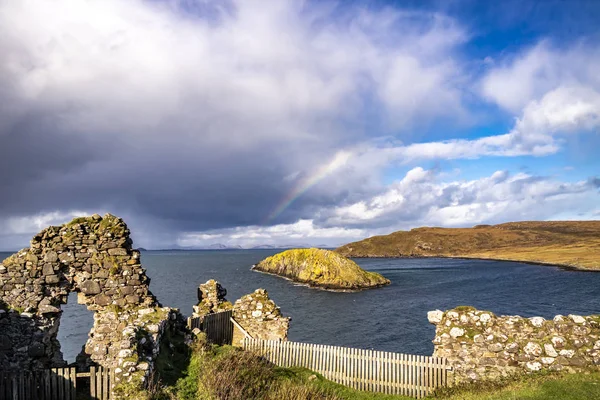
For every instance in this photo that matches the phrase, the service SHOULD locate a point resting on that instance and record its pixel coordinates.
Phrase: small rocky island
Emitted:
(322, 269)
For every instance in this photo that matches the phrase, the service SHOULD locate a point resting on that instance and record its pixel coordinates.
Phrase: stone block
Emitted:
(102, 300)
(550, 351)
(132, 299)
(49, 309)
(90, 287)
(435, 317)
(117, 251)
(48, 269)
(52, 279)
(126, 290)
(50, 256)
(533, 349)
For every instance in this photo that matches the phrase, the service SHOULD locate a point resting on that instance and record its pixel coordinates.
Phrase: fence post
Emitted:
(377, 371)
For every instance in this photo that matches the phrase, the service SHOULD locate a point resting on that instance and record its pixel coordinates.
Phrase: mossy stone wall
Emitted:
(480, 345)
(92, 256)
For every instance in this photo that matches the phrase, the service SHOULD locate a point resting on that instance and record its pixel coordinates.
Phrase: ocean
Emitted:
(392, 318)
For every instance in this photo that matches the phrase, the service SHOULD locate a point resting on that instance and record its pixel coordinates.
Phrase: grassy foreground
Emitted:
(574, 244)
(227, 373)
(535, 387)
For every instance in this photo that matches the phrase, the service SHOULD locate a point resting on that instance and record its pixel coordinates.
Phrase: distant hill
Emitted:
(574, 244)
(290, 246)
(221, 246)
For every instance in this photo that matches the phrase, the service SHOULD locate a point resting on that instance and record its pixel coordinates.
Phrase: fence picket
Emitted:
(390, 373)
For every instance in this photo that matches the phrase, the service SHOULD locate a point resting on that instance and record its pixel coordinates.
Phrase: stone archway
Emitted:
(93, 257)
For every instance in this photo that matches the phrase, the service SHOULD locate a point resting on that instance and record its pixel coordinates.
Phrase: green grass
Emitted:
(534, 387)
(228, 373)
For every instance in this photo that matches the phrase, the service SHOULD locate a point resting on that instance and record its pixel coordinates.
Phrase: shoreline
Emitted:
(308, 285)
(547, 264)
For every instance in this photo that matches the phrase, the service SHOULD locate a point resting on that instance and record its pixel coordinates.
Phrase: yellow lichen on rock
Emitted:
(321, 268)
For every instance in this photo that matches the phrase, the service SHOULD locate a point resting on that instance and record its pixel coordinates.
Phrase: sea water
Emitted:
(392, 318)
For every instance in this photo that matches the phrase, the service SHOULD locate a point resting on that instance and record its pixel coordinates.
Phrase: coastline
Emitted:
(310, 286)
(569, 267)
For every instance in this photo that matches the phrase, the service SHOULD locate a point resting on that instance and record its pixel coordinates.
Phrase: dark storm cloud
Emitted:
(185, 119)
(175, 116)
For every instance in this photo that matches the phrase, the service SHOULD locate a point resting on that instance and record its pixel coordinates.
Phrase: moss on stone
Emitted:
(78, 220)
(18, 309)
(321, 268)
(464, 308)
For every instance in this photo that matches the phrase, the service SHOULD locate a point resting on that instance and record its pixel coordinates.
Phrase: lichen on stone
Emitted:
(260, 317)
(211, 299)
(92, 256)
(321, 268)
(482, 346)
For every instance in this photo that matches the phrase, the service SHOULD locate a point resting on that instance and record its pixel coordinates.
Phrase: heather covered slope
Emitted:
(573, 244)
(320, 268)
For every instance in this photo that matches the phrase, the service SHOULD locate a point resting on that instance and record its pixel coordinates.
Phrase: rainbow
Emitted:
(338, 161)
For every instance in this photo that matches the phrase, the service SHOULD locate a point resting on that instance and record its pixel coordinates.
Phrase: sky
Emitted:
(252, 122)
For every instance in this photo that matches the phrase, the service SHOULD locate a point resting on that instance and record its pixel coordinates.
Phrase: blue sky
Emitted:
(273, 122)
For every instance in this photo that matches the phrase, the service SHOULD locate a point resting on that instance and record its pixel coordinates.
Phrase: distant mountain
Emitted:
(220, 246)
(289, 246)
(216, 246)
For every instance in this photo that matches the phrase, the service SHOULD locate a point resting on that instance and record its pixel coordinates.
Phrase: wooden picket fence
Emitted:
(102, 381)
(218, 327)
(56, 384)
(369, 370)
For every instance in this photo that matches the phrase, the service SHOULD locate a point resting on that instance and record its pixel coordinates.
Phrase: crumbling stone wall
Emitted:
(256, 313)
(92, 256)
(480, 345)
(211, 299)
(260, 317)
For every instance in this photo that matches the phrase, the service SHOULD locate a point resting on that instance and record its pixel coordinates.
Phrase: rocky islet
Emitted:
(321, 268)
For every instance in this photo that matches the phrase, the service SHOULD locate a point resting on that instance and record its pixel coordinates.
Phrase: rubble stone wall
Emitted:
(480, 345)
(211, 299)
(93, 257)
(260, 317)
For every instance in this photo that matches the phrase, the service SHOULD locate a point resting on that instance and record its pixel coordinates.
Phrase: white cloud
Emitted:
(420, 198)
(30, 225)
(539, 131)
(130, 66)
(520, 79)
(300, 232)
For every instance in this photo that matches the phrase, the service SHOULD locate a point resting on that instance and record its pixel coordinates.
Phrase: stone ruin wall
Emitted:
(256, 313)
(480, 345)
(93, 257)
(260, 317)
(211, 299)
